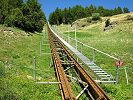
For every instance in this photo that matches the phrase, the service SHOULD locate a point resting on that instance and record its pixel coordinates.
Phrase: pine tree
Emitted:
(101, 10)
(58, 14)
(15, 18)
(119, 10)
(34, 18)
(70, 15)
(125, 10)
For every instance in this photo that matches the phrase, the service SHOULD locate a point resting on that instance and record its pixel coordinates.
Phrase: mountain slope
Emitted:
(17, 49)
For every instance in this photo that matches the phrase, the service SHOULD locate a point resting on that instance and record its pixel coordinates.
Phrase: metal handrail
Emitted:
(94, 48)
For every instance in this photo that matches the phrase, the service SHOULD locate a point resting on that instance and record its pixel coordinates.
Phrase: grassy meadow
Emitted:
(116, 41)
(17, 49)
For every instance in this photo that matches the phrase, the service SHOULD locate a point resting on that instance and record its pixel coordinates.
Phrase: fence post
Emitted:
(126, 75)
(40, 48)
(81, 47)
(44, 34)
(51, 61)
(42, 40)
(94, 54)
(68, 38)
(34, 69)
(117, 74)
(75, 38)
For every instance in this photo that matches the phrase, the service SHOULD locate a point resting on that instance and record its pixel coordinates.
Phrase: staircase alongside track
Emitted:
(102, 76)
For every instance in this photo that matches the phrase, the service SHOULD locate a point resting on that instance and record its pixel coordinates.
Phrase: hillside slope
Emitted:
(17, 49)
(117, 41)
(86, 23)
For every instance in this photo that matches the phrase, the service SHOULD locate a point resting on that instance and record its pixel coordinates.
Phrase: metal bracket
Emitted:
(81, 92)
(68, 68)
(74, 78)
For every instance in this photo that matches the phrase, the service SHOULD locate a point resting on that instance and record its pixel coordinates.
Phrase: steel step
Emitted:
(99, 71)
(104, 75)
(105, 78)
(95, 67)
(105, 82)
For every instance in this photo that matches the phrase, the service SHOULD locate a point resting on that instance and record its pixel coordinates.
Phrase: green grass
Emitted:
(17, 49)
(116, 42)
(16, 62)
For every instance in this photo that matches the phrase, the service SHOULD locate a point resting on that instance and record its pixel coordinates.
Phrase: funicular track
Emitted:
(63, 61)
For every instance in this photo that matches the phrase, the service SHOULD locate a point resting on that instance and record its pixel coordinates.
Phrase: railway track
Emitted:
(68, 69)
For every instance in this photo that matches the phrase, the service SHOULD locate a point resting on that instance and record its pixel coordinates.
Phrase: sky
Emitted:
(49, 6)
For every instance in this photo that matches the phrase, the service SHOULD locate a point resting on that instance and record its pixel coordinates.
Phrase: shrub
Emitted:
(95, 16)
(107, 22)
(129, 17)
(9, 21)
(89, 19)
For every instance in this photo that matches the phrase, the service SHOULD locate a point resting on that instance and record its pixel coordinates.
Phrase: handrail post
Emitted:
(81, 47)
(94, 54)
(68, 38)
(126, 75)
(76, 44)
(75, 38)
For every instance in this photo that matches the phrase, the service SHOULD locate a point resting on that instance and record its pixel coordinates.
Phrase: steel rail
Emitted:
(65, 87)
(93, 88)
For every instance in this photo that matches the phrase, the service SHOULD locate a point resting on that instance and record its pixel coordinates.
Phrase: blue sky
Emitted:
(49, 6)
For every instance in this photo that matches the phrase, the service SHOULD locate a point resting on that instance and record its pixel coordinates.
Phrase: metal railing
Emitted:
(94, 52)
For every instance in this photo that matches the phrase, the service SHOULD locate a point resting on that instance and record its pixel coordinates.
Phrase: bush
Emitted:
(95, 16)
(129, 17)
(89, 19)
(9, 21)
(107, 22)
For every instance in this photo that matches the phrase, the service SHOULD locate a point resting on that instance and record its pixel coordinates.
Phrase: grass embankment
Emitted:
(17, 49)
(116, 41)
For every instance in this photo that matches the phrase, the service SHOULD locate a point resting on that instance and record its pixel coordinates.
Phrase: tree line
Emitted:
(26, 14)
(69, 15)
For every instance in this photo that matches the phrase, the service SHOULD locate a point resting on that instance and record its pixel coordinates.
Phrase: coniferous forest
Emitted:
(24, 14)
(69, 15)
